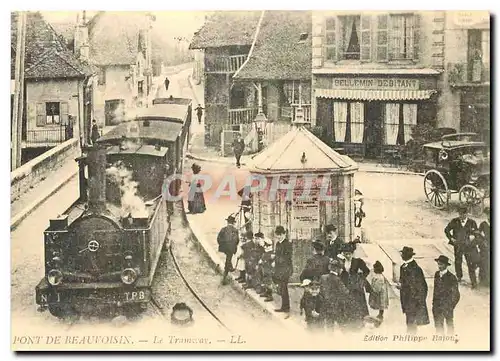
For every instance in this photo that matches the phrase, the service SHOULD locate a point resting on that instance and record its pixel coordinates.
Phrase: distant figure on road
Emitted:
(94, 133)
(167, 83)
(446, 296)
(413, 292)
(199, 112)
(238, 148)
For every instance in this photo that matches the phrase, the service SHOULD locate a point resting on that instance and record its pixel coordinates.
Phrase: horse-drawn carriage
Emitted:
(459, 163)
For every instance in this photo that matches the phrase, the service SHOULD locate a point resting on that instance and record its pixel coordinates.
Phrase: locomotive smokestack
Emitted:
(97, 178)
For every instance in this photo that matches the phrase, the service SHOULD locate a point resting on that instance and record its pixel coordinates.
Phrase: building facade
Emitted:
(375, 76)
(466, 85)
(55, 83)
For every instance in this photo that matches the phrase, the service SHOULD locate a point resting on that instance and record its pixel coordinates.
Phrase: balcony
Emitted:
(291, 111)
(242, 115)
(224, 64)
(468, 74)
(49, 137)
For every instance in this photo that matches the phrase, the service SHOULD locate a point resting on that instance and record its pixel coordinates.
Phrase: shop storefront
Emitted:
(366, 115)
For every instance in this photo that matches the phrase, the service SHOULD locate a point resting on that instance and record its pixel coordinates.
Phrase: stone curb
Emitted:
(230, 161)
(25, 212)
(216, 262)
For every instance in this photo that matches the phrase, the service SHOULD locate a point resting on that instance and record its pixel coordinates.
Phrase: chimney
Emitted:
(97, 178)
(82, 38)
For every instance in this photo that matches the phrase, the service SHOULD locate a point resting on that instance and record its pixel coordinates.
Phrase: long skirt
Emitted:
(197, 205)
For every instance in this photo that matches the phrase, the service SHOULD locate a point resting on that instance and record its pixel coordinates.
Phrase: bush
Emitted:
(320, 132)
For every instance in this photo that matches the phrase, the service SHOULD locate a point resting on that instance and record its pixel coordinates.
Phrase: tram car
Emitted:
(102, 253)
(459, 163)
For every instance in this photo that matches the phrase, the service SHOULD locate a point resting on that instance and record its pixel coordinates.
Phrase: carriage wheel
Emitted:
(436, 189)
(470, 196)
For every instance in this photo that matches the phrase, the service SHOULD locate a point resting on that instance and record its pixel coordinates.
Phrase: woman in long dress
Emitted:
(196, 200)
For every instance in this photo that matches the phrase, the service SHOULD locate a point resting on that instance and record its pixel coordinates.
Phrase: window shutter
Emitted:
(331, 39)
(41, 116)
(63, 107)
(416, 36)
(382, 37)
(366, 41)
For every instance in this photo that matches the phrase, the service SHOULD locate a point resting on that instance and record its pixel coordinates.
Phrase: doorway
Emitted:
(374, 129)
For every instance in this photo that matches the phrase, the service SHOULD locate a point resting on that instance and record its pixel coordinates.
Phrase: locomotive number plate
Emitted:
(136, 295)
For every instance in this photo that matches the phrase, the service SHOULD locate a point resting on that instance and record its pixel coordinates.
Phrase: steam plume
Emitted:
(130, 200)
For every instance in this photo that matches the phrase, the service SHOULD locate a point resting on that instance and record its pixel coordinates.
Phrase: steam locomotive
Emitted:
(103, 251)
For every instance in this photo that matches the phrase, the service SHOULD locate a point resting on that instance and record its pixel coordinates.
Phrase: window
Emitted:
(102, 76)
(402, 37)
(330, 39)
(350, 34)
(52, 111)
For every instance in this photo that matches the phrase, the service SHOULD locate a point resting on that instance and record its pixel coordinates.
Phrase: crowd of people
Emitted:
(339, 289)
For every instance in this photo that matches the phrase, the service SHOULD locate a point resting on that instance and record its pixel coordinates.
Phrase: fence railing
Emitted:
(48, 136)
(224, 64)
(242, 115)
(290, 112)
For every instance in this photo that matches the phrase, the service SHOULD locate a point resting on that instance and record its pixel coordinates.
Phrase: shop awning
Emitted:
(374, 94)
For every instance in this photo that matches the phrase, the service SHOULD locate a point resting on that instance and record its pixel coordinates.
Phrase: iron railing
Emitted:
(48, 135)
(242, 115)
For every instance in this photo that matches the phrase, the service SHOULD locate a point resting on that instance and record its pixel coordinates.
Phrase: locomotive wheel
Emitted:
(436, 189)
(470, 195)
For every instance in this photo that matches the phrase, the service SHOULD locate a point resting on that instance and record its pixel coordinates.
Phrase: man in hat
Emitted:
(460, 233)
(333, 241)
(238, 148)
(283, 268)
(199, 112)
(167, 83)
(335, 296)
(483, 238)
(413, 291)
(317, 265)
(446, 296)
(228, 240)
(256, 252)
(311, 304)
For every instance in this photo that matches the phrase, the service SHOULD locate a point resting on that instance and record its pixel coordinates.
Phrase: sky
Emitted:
(173, 23)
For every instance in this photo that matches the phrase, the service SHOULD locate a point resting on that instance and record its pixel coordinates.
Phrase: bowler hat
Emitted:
(408, 251)
(443, 259)
(259, 235)
(231, 219)
(378, 268)
(330, 228)
(318, 246)
(279, 230)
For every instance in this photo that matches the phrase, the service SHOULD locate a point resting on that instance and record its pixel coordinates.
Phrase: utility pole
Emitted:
(17, 116)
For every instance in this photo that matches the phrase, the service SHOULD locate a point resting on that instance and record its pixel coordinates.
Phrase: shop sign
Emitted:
(469, 19)
(371, 83)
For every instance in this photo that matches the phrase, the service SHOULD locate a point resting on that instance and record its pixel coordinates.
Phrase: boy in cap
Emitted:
(311, 303)
(246, 249)
(228, 239)
(460, 233)
(446, 296)
(317, 265)
(266, 272)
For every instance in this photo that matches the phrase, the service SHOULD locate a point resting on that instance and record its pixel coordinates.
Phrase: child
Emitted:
(247, 248)
(266, 268)
(379, 295)
(256, 253)
(311, 303)
(359, 214)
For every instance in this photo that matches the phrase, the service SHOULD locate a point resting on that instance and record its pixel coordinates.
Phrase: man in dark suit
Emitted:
(333, 242)
(446, 296)
(167, 83)
(335, 296)
(317, 265)
(283, 267)
(460, 233)
(413, 292)
(228, 239)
